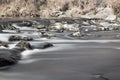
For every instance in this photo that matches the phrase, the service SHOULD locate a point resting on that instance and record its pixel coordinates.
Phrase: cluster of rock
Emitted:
(78, 27)
(43, 45)
(96, 25)
(10, 57)
(37, 23)
(19, 38)
(8, 26)
(26, 45)
(61, 27)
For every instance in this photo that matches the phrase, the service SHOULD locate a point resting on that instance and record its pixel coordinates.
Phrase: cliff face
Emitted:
(59, 8)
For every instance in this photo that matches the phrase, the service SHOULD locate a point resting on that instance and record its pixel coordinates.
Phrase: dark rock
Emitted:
(44, 22)
(18, 38)
(7, 26)
(4, 44)
(25, 23)
(27, 38)
(44, 45)
(24, 45)
(15, 38)
(8, 57)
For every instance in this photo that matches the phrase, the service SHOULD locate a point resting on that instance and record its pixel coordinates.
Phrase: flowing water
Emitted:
(68, 60)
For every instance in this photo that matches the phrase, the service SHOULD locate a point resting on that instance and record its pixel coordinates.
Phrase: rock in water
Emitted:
(27, 38)
(4, 44)
(24, 45)
(14, 38)
(44, 45)
(8, 57)
(18, 38)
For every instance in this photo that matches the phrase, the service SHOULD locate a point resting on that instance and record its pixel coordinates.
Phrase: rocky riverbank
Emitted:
(106, 9)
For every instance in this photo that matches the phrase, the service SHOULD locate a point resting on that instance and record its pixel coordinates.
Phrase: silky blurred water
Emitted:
(68, 60)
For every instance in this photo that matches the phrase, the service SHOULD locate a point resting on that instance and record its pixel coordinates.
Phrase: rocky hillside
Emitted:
(60, 8)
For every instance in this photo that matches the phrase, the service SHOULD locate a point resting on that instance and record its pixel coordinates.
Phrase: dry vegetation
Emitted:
(53, 8)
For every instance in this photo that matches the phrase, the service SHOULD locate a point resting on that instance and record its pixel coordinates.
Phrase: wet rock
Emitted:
(18, 38)
(25, 23)
(27, 38)
(24, 45)
(43, 45)
(4, 44)
(47, 35)
(8, 57)
(41, 23)
(7, 26)
(15, 38)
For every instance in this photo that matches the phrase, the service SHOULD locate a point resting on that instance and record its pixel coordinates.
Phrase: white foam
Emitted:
(2, 47)
(27, 54)
(12, 46)
(4, 37)
(28, 61)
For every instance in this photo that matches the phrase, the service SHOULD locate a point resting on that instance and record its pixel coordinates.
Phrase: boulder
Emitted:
(43, 45)
(15, 38)
(24, 45)
(27, 38)
(25, 23)
(8, 57)
(18, 38)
